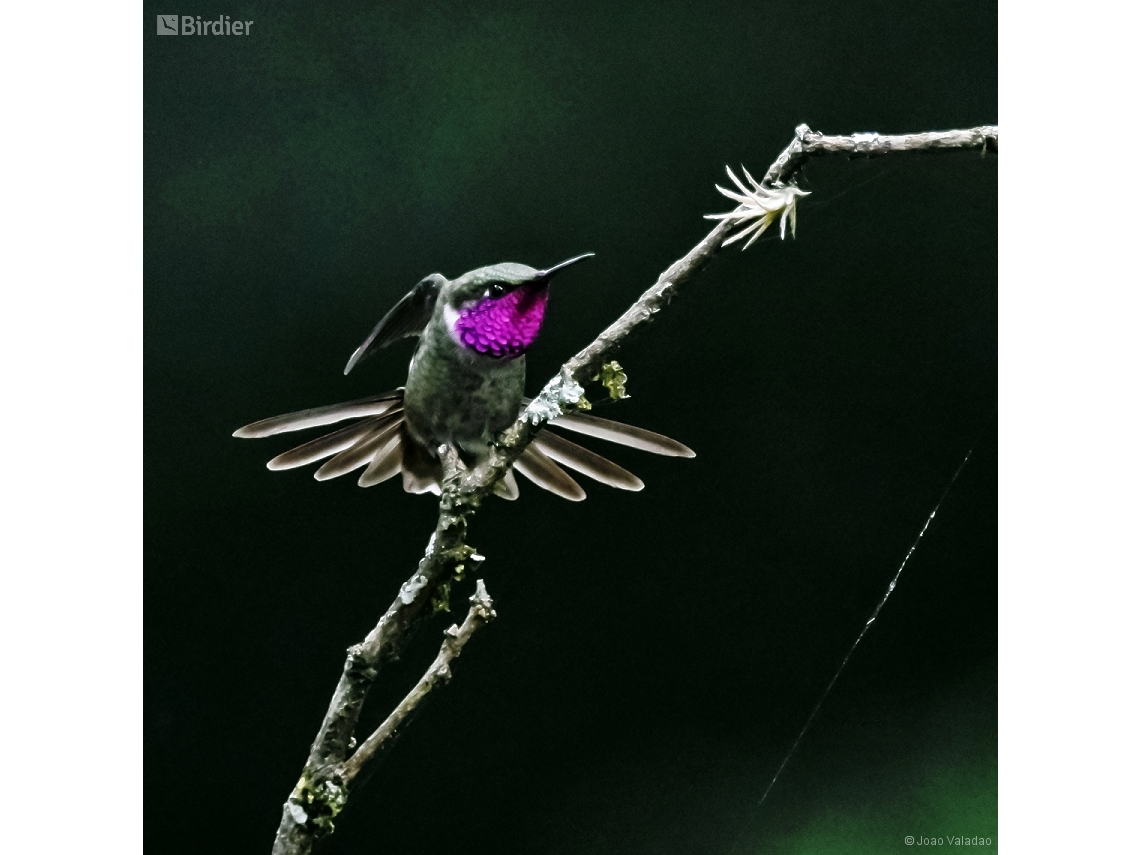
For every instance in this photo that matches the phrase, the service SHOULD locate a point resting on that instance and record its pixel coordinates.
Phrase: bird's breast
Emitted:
(459, 397)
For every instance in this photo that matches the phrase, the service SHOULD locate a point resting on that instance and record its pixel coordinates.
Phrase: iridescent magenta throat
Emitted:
(503, 327)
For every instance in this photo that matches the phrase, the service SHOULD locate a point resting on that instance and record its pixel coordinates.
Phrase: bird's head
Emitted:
(497, 311)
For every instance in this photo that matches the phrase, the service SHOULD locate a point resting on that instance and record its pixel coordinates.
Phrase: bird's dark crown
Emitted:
(491, 281)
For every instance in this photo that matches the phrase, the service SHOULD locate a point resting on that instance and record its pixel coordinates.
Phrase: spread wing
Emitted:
(407, 318)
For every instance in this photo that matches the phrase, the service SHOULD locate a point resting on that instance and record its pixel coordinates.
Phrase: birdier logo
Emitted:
(193, 25)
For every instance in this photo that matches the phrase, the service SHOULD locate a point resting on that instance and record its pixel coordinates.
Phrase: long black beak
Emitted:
(546, 274)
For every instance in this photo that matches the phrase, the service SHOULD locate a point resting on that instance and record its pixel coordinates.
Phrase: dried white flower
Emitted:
(762, 204)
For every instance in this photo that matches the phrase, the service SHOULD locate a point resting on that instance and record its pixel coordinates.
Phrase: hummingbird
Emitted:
(465, 385)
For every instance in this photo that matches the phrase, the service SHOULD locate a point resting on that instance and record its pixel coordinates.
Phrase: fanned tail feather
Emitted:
(361, 453)
(374, 405)
(422, 472)
(327, 445)
(547, 474)
(507, 487)
(380, 442)
(585, 461)
(385, 464)
(622, 434)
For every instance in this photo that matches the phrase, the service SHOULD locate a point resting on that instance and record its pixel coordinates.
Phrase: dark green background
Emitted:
(655, 653)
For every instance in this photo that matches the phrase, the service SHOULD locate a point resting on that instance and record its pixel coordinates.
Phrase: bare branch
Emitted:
(313, 805)
(321, 792)
(809, 144)
(480, 613)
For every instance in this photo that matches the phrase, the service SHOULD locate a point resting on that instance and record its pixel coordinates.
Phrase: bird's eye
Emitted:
(495, 290)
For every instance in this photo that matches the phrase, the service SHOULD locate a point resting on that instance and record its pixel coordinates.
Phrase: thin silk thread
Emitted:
(866, 626)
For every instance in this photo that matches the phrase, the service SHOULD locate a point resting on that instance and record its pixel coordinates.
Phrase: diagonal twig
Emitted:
(439, 672)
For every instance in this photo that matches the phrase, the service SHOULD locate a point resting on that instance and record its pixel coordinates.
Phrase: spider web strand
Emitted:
(866, 627)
